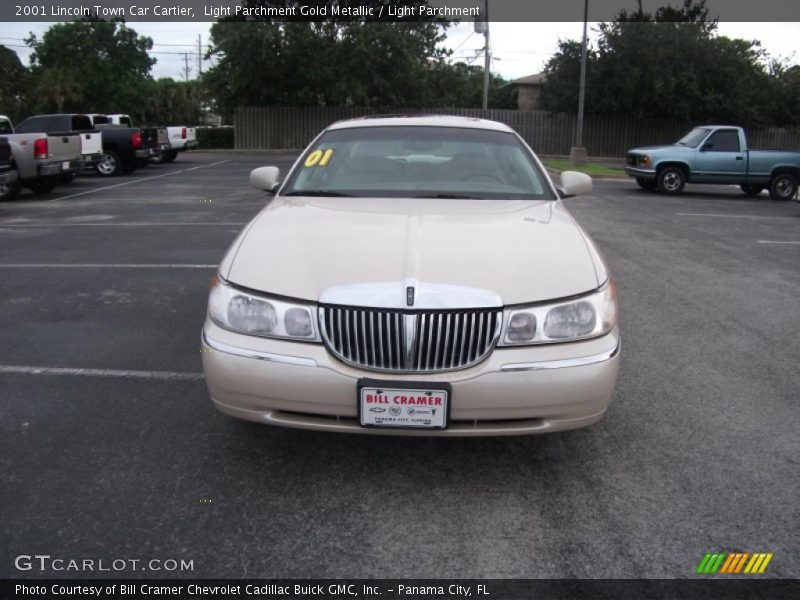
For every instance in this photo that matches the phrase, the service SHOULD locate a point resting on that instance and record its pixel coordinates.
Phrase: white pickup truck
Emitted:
(180, 137)
(41, 159)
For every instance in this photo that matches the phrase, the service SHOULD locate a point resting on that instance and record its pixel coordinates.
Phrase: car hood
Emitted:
(651, 149)
(520, 250)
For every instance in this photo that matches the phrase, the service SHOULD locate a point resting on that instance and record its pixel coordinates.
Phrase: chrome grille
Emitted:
(410, 341)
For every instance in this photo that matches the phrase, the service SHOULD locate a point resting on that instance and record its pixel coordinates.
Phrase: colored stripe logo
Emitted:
(734, 563)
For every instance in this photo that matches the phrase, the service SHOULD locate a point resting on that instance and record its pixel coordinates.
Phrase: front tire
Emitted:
(752, 190)
(108, 165)
(646, 184)
(783, 187)
(671, 180)
(9, 191)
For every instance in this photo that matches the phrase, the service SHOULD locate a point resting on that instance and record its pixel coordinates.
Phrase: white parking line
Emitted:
(102, 266)
(126, 374)
(775, 242)
(140, 180)
(131, 224)
(727, 216)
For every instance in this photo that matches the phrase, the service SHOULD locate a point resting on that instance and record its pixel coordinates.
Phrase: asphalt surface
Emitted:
(698, 452)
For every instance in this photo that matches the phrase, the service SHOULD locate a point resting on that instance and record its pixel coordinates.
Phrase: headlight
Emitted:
(590, 316)
(253, 314)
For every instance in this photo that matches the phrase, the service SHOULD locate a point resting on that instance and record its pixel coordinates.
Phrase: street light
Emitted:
(577, 154)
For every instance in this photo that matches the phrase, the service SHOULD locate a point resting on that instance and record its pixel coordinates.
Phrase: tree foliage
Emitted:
(14, 84)
(171, 102)
(108, 61)
(358, 63)
(669, 65)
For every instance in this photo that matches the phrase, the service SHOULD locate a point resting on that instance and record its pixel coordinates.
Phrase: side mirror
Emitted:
(265, 179)
(575, 184)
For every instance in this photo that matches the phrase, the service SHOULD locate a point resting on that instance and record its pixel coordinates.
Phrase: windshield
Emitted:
(693, 138)
(424, 162)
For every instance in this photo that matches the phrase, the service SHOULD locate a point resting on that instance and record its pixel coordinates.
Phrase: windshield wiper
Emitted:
(319, 193)
(451, 196)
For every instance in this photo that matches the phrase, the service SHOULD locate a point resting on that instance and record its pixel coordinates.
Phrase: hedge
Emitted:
(215, 138)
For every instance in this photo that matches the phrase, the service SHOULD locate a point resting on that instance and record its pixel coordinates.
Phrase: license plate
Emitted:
(65, 165)
(403, 405)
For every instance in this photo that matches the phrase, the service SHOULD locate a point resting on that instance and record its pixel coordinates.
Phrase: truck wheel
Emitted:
(752, 190)
(783, 186)
(108, 165)
(646, 184)
(68, 177)
(671, 180)
(43, 185)
(9, 191)
(170, 156)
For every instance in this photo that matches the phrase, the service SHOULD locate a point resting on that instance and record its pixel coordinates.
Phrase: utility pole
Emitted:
(187, 69)
(577, 155)
(487, 61)
(199, 55)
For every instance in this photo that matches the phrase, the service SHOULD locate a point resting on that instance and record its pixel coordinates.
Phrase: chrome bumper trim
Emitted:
(637, 172)
(299, 361)
(563, 363)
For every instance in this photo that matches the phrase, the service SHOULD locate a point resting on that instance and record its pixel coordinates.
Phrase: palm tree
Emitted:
(58, 86)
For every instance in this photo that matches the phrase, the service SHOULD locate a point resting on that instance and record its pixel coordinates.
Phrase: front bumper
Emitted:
(639, 172)
(515, 391)
(9, 176)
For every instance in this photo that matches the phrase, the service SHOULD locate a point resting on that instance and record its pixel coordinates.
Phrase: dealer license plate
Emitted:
(417, 407)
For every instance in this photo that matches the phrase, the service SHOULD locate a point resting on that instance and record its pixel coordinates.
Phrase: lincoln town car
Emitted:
(414, 275)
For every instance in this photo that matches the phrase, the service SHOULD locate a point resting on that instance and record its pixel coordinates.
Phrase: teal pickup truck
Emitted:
(715, 154)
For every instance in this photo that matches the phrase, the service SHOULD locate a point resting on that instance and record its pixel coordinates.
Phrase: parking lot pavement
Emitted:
(110, 447)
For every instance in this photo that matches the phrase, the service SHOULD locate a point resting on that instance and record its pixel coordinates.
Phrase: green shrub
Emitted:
(215, 138)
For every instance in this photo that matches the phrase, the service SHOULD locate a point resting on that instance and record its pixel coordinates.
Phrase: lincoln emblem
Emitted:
(410, 295)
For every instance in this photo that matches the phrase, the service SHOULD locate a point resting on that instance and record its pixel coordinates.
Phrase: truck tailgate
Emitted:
(91, 142)
(149, 137)
(64, 146)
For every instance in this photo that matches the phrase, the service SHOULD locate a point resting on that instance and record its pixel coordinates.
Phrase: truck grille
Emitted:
(410, 341)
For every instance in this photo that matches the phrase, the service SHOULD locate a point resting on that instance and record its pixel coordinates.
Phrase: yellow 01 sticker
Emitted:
(319, 158)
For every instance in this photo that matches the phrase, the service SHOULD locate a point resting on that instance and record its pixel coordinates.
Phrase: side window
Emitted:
(724, 141)
(32, 125)
(5, 126)
(125, 121)
(81, 123)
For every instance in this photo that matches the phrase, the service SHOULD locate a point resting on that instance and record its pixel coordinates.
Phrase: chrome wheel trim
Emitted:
(107, 165)
(784, 187)
(672, 181)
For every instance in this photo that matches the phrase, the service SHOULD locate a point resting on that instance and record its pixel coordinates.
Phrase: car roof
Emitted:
(421, 121)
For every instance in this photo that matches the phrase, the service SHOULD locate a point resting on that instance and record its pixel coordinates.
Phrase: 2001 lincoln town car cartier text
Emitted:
(414, 276)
